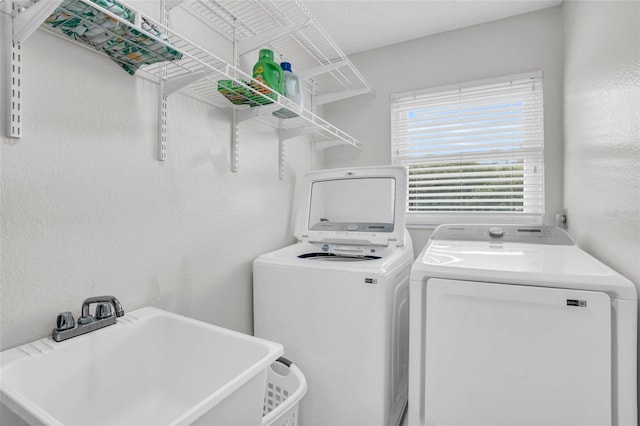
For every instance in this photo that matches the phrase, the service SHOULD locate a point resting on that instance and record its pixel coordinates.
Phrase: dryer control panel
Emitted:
(504, 233)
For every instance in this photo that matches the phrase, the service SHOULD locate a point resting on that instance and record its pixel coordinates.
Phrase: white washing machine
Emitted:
(518, 326)
(338, 299)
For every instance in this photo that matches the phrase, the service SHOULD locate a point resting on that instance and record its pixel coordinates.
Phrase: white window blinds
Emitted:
(474, 151)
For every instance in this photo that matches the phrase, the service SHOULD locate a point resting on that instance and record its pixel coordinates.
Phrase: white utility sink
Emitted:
(151, 368)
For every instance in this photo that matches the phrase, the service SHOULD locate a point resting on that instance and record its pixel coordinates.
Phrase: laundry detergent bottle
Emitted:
(268, 72)
(292, 90)
(292, 87)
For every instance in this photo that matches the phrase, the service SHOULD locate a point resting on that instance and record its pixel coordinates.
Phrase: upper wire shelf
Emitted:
(172, 59)
(291, 31)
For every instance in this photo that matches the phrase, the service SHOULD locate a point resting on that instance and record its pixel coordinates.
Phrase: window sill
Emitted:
(422, 221)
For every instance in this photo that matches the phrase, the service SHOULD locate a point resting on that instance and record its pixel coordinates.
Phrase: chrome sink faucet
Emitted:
(107, 309)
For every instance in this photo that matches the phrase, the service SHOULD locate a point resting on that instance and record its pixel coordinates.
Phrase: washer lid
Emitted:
(363, 206)
(538, 262)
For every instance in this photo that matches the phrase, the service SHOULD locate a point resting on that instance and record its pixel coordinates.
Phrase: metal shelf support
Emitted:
(288, 133)
(26, 21)
(20, 23)
(176, 84)
(170, 4)
(337, 96)
(281, 158)
(163, 95)
(252, 43)
(14, 84)
(162, 123)
(245, 114)
(322, 145)
(235, 141)
(320, 69)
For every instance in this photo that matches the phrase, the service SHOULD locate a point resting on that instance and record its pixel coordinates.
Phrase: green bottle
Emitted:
(268, 72)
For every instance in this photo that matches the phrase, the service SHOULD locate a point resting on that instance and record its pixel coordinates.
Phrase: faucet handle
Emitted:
(65, 321)
(118, 307)
(103, 310)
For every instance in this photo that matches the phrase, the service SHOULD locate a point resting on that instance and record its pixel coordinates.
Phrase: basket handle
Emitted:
(283, 360)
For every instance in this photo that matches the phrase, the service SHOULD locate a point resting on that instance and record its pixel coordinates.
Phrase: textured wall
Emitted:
(87, 209)
(602, 130)
(519, 44)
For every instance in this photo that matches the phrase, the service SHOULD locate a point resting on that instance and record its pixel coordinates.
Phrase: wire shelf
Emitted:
(180, 63)
(141, 45)
(309, 48)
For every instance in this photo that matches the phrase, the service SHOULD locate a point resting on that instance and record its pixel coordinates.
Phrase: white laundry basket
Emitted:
(286, 386)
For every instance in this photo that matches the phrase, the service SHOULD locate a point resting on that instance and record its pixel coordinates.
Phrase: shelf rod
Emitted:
(26, 21)
(252, 43)
(338, 96)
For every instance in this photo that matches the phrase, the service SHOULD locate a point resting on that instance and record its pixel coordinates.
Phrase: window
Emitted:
(474, 151)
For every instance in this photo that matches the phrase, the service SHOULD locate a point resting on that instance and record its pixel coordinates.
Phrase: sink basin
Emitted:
(151, 368)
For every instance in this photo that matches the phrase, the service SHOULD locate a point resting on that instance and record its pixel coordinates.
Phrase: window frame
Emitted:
(431, 219)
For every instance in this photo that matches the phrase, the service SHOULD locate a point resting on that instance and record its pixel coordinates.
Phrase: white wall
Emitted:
(513, 45)
(87, 210)
(602, 130)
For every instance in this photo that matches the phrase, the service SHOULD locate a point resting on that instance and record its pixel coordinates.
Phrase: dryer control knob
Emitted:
(496, 232)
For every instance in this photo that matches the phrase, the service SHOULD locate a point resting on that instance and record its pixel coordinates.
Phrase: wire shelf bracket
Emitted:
(250, 44)
(338, 96)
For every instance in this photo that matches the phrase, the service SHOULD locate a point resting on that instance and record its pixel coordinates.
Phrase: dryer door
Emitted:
(515, 355)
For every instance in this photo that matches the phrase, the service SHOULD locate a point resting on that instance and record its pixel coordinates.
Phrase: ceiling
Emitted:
(360, 25)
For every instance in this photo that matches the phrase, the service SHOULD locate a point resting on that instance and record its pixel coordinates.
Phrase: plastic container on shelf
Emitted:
(292, 86)
(268, 72)
(286, 385)
(292, 90)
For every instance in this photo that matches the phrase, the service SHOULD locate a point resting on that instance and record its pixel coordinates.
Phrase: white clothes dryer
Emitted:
(516, 325)
(338, 298)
